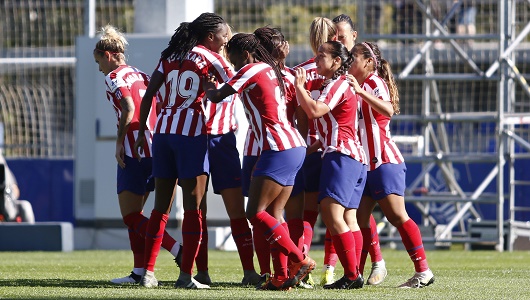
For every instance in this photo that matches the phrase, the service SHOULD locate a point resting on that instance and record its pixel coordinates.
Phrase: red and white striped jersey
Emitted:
(314, 85)
(375, 128)
(220, 118)
(183, 111)
(265, 108)
(290, 95)
(338, 128)
(251, 147)
(127, 81)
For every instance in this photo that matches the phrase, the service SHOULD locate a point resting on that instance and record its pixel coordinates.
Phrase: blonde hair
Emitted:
(321, 30)
(224, 52)
(113, 41)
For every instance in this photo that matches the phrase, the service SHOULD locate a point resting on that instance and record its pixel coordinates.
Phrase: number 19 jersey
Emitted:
(183, 107)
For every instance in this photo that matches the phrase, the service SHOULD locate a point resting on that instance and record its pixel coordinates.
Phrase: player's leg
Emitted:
(340, 196)
(272, 182)
(370, 242)
(132, 191)
(261, 246)
(393, 206)
(311, 174)
(225, 170)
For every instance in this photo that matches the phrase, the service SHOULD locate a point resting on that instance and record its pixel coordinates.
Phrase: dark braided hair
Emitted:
(382, 67)
(249, 42)
(270, 38)
(339, 50)
(189, 34)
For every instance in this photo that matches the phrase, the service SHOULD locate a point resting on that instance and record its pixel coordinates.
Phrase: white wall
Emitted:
(95, 150)
(95, 167)
(164, 16)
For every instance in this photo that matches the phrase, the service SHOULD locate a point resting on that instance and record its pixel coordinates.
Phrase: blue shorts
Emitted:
(298, 186)
(280, 166)
(225, 166)
(180, 156)
(385, 180)
(246, 172)
(467, 16)
(312, 168)
(343, 179)
(136, 177)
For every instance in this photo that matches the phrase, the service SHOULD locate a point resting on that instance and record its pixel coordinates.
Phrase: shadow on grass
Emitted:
(214, 285)
(230, 285)
(60, 283)
(67, 283)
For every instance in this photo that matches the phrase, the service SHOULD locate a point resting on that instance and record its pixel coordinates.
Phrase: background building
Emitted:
(464, 99)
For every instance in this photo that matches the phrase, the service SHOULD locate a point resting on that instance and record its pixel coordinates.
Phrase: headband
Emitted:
(372, 54)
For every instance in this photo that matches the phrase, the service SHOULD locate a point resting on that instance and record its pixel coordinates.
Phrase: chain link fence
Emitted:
(37, 59)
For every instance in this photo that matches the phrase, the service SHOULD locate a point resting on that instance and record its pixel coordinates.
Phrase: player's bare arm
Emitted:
(212, 93)
(157, 79)
(383, 107)
(313, 109)
(127, 113)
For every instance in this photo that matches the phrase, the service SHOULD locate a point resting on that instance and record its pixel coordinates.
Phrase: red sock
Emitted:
(138, 222)
(202, 255)
(310, 218)
(191, 236)
(296, 232)
(263, 250)
(137, 248)
(136, 241)
(330, 254)
(366, 245)
(168, 241)
(279, 260)
(276, 234)
(374, 246)
(243, 239)
(411, 238)
(308, 237)
(153, 238)
(358, 237)
(345, 245)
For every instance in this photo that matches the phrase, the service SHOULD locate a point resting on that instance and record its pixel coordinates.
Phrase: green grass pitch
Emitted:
(85, 275)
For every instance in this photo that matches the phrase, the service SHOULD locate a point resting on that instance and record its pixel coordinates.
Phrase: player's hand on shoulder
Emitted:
(209, 82)
(300, 76)
(353, 83)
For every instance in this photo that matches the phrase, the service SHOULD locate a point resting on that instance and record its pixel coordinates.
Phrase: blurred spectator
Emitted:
(11, 208)
(408, 17)
(466, 19)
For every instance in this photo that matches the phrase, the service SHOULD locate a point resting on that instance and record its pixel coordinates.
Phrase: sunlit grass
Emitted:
(86, 274)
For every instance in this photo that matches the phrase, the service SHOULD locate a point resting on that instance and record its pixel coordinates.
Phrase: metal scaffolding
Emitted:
(435, 149)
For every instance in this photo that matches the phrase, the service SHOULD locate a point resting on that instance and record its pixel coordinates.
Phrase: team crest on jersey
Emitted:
(376, 92)
(118, 94)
